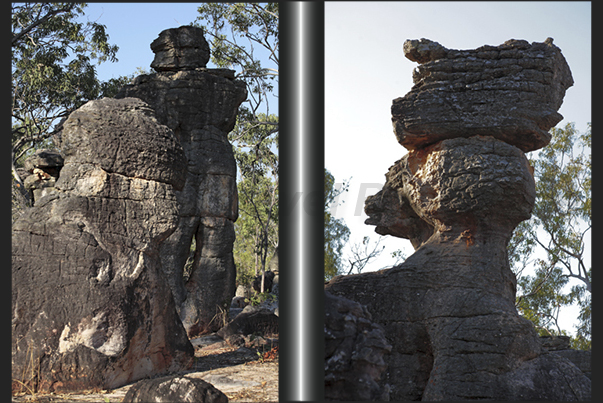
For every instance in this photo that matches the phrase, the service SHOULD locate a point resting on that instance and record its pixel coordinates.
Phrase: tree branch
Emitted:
(17, 37)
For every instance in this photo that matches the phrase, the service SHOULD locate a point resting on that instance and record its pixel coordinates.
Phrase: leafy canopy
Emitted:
(560, 221)
(53, 72)
(336, 232)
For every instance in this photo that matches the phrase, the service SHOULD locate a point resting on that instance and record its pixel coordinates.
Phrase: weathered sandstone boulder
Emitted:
(268, 277)
(258, 320)
(174, 389)
(200, 105)
(90, 306)
(448, 311)
(180, 49)
(511, 92)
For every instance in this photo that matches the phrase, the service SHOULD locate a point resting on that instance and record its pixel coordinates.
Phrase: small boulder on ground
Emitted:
(174, 389)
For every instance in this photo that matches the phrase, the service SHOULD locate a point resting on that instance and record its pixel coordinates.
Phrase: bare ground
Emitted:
(244, 373)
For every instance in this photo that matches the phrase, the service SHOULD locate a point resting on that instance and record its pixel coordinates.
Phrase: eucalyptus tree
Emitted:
(53, 71)
(553, 242)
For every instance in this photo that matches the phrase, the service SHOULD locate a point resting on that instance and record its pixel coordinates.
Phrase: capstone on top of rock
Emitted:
(183, 48)
(511, 91)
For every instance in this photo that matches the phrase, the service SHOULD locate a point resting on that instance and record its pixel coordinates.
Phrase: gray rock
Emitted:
(251, 321)
(391, 212)
(511, 92)
(449, 310)
(44, 159)
(581, 359)
(273, 265)
(174, 389)
(238, 302)
(257, 281)
(200, 105)
(470, 177)
(40, 173)
(90, 306)
(354, 350)
(180, 49)
(243, 291)
(555, 343)
(423, 50)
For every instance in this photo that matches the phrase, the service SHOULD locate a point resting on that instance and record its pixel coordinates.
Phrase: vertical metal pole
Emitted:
(302, 201)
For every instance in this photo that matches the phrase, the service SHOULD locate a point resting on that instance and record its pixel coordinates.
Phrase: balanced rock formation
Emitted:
(449, 310)
(200, 105)
(90, 306)
(184, 48)
(511, 92)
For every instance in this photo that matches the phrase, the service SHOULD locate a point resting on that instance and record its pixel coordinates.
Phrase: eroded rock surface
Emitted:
(174, 389)
(180, 49)
(90, 306)
(200, 105)
(511, 92)
(40, 172)
(354, 350)
(449, 310)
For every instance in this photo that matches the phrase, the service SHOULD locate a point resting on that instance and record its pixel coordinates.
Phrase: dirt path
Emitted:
(239, 372)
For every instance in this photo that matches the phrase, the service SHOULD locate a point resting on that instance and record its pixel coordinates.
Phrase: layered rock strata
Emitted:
(200, 105)
(90, 306)
(449, 310)
(511, 92)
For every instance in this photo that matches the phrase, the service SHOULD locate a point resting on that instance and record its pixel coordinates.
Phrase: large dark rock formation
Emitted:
(449, 310)
(200, 105)
(511, 92)
(90, 306)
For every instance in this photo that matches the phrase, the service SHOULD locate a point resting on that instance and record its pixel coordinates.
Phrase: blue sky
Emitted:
(365, 69)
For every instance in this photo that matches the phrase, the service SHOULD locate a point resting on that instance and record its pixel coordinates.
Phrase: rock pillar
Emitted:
(90, 306)
(449, 310)
(200, 105)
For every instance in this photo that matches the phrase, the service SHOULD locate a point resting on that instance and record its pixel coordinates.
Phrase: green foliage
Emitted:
(53, 67)
(336, 233)
(53, 73)
(255, 148)
(560, 220)
(259, 297)
(239, 31)
(244, 37)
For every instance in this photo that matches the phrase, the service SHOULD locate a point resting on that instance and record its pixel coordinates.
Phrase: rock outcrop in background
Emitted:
(200, 106)
(90, 306)
(449, 310)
